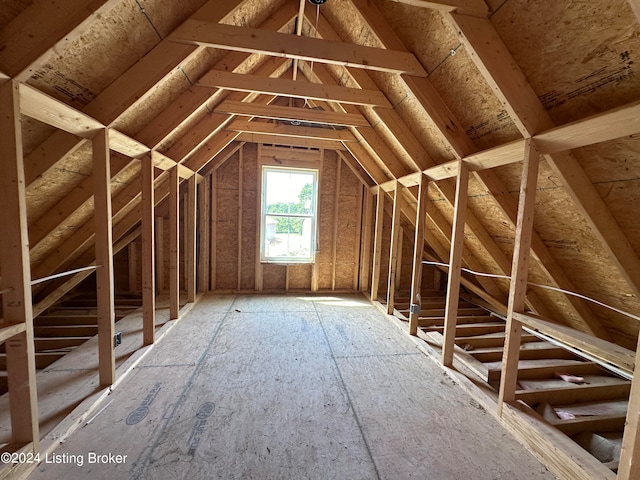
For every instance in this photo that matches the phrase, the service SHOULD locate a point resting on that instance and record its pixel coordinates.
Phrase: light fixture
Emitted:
(317, 2)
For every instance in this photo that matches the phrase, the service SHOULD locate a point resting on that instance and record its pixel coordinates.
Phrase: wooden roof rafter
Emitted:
(504, 75)
(461, 144)
(412, 148)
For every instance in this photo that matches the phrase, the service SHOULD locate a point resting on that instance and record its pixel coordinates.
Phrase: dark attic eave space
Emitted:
(490, 81)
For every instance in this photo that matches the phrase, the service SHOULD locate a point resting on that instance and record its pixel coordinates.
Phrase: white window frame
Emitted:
(313, 216)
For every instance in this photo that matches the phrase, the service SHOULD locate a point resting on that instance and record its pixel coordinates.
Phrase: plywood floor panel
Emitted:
(291, 387)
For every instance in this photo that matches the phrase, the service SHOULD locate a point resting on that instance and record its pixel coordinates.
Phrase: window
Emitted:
(288, 227)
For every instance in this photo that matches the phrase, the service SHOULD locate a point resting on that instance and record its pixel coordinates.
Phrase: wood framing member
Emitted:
(133, 267)
(418, 247)
(296, 89)
(455, 265)
(159, 247)
(148, 252)
(16, 274)
(377, 245)
(393, 249)
(629, 465)
(454, 134)
(635, 6)
(336, 209)
(190, 239)
(203, 234)
(468, 7)
(291, 130)
(104, 257)
(174, 244)
(503, 74)
(292, 114)
(266, 42)
(519, 275)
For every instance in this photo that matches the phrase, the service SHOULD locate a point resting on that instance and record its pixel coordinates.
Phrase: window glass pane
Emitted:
(289, 192)
(289, 215)
(287, 237)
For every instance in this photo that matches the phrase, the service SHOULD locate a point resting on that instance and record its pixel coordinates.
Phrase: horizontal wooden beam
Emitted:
(53, 112)
(291, 131)
(267, 42)
(606, 126)
(601, 349)
(296, 89)
(291, 141)
(46, 109)
(7, 332)
(616, 390)
(292, 114)
(476, 8)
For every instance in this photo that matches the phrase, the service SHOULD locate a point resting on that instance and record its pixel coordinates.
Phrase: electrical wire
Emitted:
(547, 287)
(144, 12)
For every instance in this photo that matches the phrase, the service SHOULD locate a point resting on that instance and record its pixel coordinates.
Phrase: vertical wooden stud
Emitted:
(393, 250)
(190, 238)
(204, 198)
(132, 253)
(148, 252)
(160, 253)
(214, 230)
(455, 264)
(418, 246)
(398, 274)
(365, 239)
(629, 465)
(240, 195)
(258, 269)
(104, 257)
(355, 276)
(16, 272)
(174, 244)
(336, 205)
(315, 269)
(377, 245)
(519, 273)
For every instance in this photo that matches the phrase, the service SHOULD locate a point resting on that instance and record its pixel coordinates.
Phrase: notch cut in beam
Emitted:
(296, 89)
(266, 42)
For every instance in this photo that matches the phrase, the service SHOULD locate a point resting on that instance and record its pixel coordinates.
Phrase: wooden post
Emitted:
(16, 273)
(214, 230)
(190, 239)
(159, 231)
(240, 195)
(148, 253)
(393, 250)
(133, 267)
(334, 247)
(203, 235)
(519, 273)
(104, 257)
(365, 235)
(357, 245)
(629, 465)
(418, 247)
(259, 269)
(377, 245)
(455, 264)
(174, 244)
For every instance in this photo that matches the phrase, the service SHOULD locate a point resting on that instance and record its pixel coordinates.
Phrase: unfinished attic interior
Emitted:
(327, 190)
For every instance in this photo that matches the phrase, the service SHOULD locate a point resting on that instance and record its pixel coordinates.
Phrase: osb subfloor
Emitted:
(286, 387)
